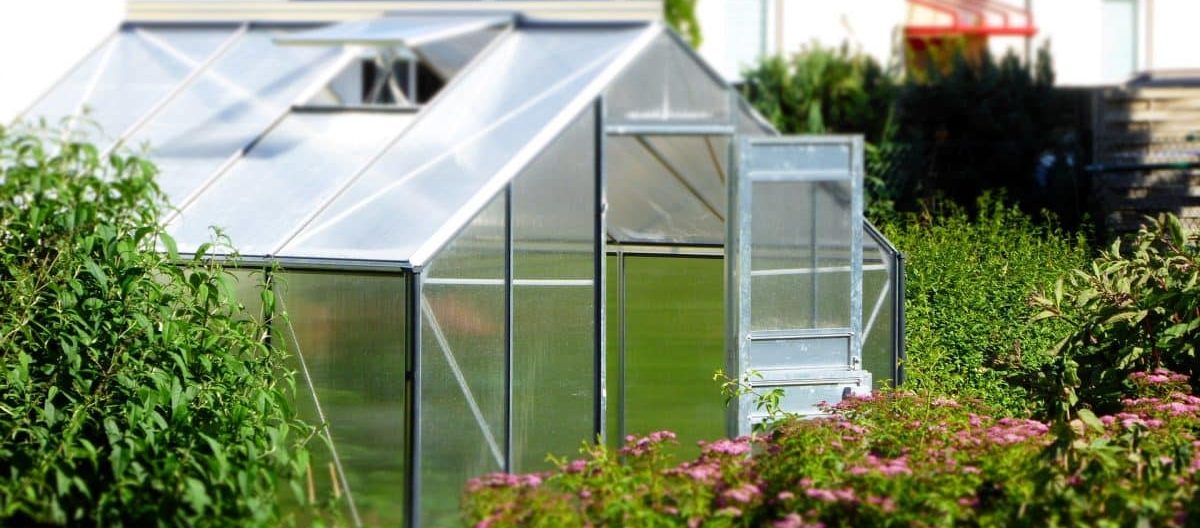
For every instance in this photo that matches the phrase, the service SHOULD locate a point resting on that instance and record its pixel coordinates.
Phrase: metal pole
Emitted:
(508, 328)
(601, 229)
(413, 400)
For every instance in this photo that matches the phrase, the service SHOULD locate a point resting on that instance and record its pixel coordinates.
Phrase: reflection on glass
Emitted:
(349, 331)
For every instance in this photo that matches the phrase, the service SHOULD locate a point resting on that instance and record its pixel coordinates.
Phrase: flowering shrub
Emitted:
(1135, 308)
(892, 458)
(135, 390)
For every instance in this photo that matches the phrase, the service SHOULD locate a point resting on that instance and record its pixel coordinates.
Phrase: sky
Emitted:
(40, 40)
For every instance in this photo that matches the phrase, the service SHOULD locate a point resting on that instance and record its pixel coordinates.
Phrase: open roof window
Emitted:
(405, 60)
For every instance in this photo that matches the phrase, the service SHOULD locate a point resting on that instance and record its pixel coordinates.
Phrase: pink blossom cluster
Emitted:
(1158, 376)
(885, 466)
(1009, 431)
(505, 480)
(635, 446)
(735, 447)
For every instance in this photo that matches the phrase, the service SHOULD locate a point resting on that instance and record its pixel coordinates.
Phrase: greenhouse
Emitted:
(496, 237)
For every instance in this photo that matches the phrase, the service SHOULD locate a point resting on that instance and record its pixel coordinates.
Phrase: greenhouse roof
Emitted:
(228, 113)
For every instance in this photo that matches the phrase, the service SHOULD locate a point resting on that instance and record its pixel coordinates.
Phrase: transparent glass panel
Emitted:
(447, 57)
(614, 317)
(832, 160)
(833, 250)
(286, 177)
(749, 124)
(649, 203)
(800, 255)
(700, 161)
(666, 83)
(554, 328)
(229, 105)
(349, 332)
(1119, 47)
(782, 291)
(462, 359)
(879, 317)
(482, 124)
(126, 77)
(675, 341)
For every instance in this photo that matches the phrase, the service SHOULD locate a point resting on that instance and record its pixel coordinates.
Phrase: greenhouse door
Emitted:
(794, 266)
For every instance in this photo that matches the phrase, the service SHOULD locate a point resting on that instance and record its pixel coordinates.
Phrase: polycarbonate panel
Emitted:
(879, 310)
(447, 57)
(674, 342)
(830, 160)
(463, 316)
(701, 161)
(793, 353)
(126, 77)
(349, 331)
(834, 239)
(554, 328)
(481, 124)
(782, 289)
(230, 104)
(750, 124)
(800, 255)
(649, 204)
(614, 316)
(404, 30)
(285, 178)
(667, 83)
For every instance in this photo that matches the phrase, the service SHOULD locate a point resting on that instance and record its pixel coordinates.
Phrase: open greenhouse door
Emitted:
(794, 274)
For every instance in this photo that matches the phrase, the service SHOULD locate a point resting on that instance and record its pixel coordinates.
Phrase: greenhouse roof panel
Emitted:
(407, 31)
(462, 150)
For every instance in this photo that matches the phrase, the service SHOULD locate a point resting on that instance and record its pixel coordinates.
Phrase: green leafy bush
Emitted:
(135, 392)
(968, 284)
(1135, 308)
(891, 459)
(823, 90)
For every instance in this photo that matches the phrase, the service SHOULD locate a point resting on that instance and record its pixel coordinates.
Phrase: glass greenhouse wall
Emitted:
(493, 238)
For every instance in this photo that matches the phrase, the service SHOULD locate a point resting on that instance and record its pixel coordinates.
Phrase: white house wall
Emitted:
(1073, 28)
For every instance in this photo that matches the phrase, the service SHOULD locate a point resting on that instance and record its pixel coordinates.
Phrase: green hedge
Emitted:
(969, 279)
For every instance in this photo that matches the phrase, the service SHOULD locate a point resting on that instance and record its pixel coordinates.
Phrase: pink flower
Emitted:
(786, 496)
(743, 494)
(793, 520)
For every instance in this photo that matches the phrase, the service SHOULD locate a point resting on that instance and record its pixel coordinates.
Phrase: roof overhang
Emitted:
(948, 18)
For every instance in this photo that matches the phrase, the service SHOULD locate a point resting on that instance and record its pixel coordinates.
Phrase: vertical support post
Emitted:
(856, 251)
(621, 361)
(413, 374)
(600, 251)
(737, 282)
(898, 328)
(412, 81)
(508, 328)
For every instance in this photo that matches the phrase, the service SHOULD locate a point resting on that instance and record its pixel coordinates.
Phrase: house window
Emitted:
(747, 36)
(1119, 48)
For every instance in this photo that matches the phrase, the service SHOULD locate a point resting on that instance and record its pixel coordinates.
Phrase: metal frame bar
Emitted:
(413, 375)
(622, 360)
(509, 284)
(670, 129)
(599, 257)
